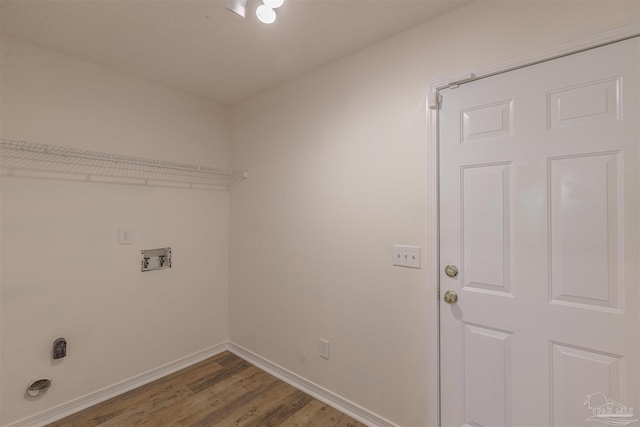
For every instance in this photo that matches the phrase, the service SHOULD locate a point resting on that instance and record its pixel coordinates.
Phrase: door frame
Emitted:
(432, 261)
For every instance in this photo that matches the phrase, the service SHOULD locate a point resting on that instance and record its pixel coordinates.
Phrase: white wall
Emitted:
(338, 166)
(337, 162)
(63, 271)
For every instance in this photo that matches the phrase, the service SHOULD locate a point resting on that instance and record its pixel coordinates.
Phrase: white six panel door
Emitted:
(539, 194)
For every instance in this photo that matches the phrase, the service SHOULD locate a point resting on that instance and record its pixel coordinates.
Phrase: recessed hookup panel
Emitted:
(59, 348)
(156, 259)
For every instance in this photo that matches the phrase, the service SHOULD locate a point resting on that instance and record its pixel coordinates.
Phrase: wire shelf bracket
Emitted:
(30, 160)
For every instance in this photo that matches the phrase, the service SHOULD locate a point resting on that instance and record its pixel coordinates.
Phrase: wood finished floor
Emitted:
(223, 390)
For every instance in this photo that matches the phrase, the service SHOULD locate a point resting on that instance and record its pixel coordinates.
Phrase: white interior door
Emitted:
(539, 191)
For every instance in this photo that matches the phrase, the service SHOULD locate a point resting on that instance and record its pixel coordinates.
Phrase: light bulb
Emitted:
(273, 4)
(265, 14)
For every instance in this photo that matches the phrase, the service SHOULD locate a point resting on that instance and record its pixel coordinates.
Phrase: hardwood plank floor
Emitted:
(223, 390)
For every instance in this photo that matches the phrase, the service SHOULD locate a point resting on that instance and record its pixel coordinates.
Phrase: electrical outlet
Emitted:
(126, 237)
(406, 256)
(324, 349)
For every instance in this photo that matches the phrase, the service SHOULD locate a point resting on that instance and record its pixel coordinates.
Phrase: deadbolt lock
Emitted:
(451, 270)
(450, 297)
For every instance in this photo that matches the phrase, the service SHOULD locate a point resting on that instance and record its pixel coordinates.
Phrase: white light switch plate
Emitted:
(126, 237)
(406, 256)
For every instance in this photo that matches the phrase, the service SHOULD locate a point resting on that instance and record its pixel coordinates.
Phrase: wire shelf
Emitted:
(25, 159)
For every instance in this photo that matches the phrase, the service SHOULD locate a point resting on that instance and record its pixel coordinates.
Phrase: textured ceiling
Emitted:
(200, 47)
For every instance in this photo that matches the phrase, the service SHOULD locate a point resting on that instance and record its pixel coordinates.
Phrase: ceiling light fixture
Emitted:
(273, 4)
(265, 14)
(239, 7)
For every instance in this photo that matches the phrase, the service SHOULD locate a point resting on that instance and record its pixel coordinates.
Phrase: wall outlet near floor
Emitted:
(406, 256)
(126, 237)
(324, 349)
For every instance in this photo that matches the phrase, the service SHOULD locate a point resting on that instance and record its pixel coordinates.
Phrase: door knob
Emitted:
(450, 297)
(451, 270)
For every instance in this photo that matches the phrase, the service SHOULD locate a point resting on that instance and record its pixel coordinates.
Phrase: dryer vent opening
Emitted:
(38, 387)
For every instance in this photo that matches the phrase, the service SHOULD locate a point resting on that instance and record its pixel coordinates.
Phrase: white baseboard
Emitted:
(58, 412)
(320, 393)
(330, 398)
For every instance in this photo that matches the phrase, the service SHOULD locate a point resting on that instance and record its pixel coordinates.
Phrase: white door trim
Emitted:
(432, 261)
